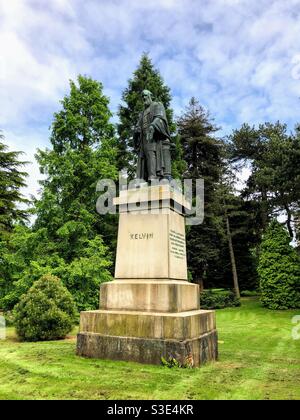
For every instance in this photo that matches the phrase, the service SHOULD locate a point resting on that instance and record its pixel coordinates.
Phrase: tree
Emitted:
(145, 77)
(274, 157)
(241, 237)
(84, 120)
(31, 254)
(279, 269)
(232, 254)
(69, 239)
(203, 153)
(84, 151)
(12, 179)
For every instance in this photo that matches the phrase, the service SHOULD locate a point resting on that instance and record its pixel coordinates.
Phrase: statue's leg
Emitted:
(151, 164)
(167, 159)
(139, 170)
(151, 161)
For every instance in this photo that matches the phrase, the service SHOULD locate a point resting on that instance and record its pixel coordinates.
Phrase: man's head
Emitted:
(147, 97)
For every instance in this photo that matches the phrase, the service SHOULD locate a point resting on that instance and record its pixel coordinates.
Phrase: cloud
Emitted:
(238, 57)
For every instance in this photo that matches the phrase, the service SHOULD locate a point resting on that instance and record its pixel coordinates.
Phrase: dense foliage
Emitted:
(46, 312)
(12, 179)
(274, 156)
(31, 254)
(218, 299)
(279, 270)
(69, 238)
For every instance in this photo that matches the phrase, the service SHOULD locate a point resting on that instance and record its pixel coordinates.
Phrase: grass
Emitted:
(258, 360)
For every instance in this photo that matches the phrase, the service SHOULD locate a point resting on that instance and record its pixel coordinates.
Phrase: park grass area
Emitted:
(258, 360)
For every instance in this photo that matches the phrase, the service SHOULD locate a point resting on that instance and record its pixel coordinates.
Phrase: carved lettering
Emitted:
(177, 245)
(141, 236)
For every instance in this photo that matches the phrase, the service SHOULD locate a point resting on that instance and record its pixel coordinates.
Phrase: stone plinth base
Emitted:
(147, 337)
(144, 350)
(150, 295)
(177, 326)
(151, 246)
(150, 310)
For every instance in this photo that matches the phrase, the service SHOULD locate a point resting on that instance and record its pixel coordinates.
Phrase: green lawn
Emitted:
(258, 360)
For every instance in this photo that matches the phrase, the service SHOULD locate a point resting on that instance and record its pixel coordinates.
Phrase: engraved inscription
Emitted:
(177, 245)
(143, 236)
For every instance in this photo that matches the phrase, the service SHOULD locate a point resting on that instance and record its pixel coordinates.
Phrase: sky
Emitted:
(239, 58)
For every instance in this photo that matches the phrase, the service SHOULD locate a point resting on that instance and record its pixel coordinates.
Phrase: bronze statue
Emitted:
(152, 141)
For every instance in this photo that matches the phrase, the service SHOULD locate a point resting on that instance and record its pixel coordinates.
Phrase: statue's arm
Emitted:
(137, 132)
(160, 123)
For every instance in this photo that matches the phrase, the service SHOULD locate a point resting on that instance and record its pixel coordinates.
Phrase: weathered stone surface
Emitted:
(143, 350)
(176, 326)
(150, 310)
(149, 295)
(142, 198)
(151, 246)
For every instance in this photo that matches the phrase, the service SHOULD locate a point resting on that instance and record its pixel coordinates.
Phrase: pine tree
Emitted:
(196, 129)
(12, 179)
(145, 77)
(274, 157)
(202, 152)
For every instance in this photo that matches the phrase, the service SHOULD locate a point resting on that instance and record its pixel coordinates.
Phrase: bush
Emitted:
(249, 293)
(279, 270)
(45, 312)
(218, 299)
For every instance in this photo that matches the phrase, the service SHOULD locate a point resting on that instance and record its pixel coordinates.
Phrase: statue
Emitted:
(152, 141)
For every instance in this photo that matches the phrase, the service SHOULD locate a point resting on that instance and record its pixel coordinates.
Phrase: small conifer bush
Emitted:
(46, 312)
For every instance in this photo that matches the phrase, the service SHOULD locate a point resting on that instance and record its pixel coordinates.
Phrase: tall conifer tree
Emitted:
(202, 152)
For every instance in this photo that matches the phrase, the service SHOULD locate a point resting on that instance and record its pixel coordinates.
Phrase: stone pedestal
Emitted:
(150, 310)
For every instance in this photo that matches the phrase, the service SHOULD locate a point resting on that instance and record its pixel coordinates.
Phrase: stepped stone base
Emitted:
(150, 310)
(177, 326)
(195, 351)
(150, 295)
(146, 337)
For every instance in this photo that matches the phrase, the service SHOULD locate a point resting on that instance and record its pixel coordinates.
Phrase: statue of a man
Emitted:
(152, 141)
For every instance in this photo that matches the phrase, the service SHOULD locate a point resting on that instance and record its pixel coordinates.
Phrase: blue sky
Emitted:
(240, 58)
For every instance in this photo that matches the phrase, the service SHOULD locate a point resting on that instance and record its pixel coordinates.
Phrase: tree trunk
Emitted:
(289, 221)
(264, 210)
(232, 258)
